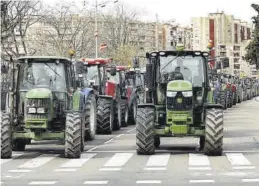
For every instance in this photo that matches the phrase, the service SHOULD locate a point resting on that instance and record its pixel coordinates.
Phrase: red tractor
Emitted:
(110, 100)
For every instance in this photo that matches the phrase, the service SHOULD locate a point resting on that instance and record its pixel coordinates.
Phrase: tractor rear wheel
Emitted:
(124, 117)
(90, 117)
(105, 116)
(145, 131)
(6, 136)
(133, 113)
(213, 144)
(73, 135)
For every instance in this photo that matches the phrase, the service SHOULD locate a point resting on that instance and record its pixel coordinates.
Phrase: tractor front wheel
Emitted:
(90, 117)
(118, 116)
(105, 116)
(124, 114)
(145, 131)
(6, 136)
(213, 144)
(133, 113)
(73, 135)
(19, 144)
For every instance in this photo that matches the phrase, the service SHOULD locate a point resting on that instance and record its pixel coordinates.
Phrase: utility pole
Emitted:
(157, 32)
(96, 29)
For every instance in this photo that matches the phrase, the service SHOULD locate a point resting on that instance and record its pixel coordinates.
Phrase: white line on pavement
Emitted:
(155, 168)
(65, 170)
(42, 182)
(118, 136)
(199, 168)
(37, 162)
(159, 160)
(108, 141)
(243, 167)
(96, 147)
(131, 130)
(96, 182)
(76, 163)
(202, 181)
(110, 169)
(198, 160)
(19, 170)
(250, 180)
(119, 159)
(237, 159)
(148, 182)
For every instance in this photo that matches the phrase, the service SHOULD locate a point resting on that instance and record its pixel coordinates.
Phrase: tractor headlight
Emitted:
(171, 94)
(187, 94)
(32, 110)
(40, 110)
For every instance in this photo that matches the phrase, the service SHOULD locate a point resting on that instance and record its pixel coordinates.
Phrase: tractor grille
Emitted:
(37, 103)
(173, 104)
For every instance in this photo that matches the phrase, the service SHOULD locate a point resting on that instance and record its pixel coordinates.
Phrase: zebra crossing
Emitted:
(118, 161)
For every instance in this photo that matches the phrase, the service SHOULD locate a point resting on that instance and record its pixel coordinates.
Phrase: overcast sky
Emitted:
(183, 10)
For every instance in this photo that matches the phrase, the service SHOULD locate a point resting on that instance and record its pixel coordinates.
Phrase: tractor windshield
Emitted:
(92, 75)
(192, 68)
(49, 75)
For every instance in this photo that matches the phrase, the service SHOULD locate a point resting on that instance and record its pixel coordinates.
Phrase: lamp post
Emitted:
(103, 4)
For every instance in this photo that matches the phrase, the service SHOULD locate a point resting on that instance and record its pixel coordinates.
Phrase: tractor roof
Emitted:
(40, 59)
(97, 61)
(180, 53)
(122, 68)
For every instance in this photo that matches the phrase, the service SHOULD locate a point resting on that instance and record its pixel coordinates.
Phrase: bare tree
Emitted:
(62, 30)
(17, 17)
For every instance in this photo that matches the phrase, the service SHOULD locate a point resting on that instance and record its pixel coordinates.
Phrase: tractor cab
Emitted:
(91, 72)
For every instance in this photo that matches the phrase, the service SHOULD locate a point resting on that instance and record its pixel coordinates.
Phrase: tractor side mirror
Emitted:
(81, 68)
(113, 72)
(147, 55)
(149, 76)
(135, 62)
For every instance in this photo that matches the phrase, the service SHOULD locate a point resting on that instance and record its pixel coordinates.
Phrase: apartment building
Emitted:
(174, 33)
(229, 38)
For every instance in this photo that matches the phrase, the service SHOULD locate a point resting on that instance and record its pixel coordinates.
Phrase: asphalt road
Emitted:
(112, 160)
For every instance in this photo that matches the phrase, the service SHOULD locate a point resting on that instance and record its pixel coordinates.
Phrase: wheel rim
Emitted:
(92, 119)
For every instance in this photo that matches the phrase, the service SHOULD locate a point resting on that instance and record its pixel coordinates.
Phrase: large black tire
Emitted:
(234, 98)
(222, 99)
(6, 136)
(124, 114)
(105, 116)
(213, 145)
(145, 131)
(118, 116)
(133, 113)
(90, 117)
(73, 135)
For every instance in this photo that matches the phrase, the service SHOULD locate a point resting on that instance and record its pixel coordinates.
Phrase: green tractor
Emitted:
(178, 102)
(44, 103)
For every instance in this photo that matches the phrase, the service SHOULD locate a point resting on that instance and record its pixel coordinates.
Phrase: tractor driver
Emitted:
(187, 74)
(41, 75)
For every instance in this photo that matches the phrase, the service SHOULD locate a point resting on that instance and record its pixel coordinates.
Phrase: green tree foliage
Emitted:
(252, 55)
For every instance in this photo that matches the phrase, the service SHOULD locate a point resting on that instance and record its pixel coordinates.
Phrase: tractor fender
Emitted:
(147, 106)
(210, 106)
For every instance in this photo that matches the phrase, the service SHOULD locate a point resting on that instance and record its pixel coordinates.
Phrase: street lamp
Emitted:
(96, 22)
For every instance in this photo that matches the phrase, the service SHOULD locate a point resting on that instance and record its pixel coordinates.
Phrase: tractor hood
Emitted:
(179, 85)
(39, 93)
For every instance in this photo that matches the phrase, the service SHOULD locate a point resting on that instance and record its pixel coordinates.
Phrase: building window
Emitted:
(237, 66)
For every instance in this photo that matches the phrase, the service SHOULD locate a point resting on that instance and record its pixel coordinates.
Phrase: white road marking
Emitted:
(155, 168)
(159, 160)
(37, 162)
(76, 163)
(250, 180)
(20, 170)
(96, 147)
(243, 167)
(108, 141)
(110, 169)
(198, 160)
(2, 161)
(118, 160)
(65, 170)
(202, 181)
(148, 182)
(131, 130)
(118, 136)
(95, 182)
(199, 168)
(237, 159)
(42, 182)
